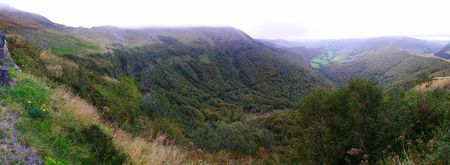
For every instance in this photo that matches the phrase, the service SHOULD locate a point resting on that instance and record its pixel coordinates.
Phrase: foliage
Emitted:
(24, 54)
(101, 145)
(202, 88)
(48, 128)
(121, 98)
(192, 85)
(51, 161)
(236, 137)
(360, 123)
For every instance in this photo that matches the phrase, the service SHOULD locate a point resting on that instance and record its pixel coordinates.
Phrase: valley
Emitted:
(216, 95)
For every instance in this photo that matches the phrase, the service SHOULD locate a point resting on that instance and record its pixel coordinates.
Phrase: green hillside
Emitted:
(177, 81)
(388, 66)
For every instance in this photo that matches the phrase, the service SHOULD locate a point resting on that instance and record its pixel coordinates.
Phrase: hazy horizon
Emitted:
(289, 20)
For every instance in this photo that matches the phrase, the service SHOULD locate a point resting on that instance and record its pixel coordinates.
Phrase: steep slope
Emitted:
(218, 69)
(177, 81)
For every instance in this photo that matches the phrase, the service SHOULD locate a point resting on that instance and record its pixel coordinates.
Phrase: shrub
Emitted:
(101, 145)
(332, 122)
(206, 137)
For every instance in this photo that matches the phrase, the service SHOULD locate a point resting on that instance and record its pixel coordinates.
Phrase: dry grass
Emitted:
(83, 111)
(56, 66)
(436, 83)
(140, 150)
(110, 79)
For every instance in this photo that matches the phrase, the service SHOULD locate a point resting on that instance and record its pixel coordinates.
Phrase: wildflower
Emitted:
(29, 101)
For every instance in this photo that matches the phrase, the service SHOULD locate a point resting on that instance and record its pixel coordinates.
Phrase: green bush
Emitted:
(206, 137)
(237, 137)
(101, 145)
(358, 122)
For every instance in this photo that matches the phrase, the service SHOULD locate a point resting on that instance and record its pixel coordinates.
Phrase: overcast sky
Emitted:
(287, 19)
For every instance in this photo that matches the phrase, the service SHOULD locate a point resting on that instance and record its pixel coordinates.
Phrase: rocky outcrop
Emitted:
(5, 62)
(4, 75)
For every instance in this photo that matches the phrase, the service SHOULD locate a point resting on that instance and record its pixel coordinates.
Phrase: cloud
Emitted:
(260, 18)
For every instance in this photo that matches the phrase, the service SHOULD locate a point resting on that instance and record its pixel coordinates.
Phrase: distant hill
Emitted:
(345, 50)
(444, 53)
(387, 66)
(288, 43)
(13, 18)
(355, 46)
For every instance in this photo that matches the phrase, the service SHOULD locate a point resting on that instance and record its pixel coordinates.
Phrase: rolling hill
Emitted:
(343, 50)
(389, 61)
(388, 66)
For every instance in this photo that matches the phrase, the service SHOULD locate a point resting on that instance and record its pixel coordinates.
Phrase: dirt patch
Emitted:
(11, 151)
(436, 83)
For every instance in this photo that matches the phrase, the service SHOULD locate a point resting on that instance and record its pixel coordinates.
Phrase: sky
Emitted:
(271, 19)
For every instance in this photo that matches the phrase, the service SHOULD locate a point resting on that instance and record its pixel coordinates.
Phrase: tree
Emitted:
(333, 122)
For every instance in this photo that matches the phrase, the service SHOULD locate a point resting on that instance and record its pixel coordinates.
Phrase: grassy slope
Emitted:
(49, 127)
(53, 129)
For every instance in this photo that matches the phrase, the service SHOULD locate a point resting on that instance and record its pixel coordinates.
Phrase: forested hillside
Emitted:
(176, 81)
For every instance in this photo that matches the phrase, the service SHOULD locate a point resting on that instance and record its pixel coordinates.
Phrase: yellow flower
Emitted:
(29, 101)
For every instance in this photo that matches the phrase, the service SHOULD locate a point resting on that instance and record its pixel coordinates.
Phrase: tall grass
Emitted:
(140, 150)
